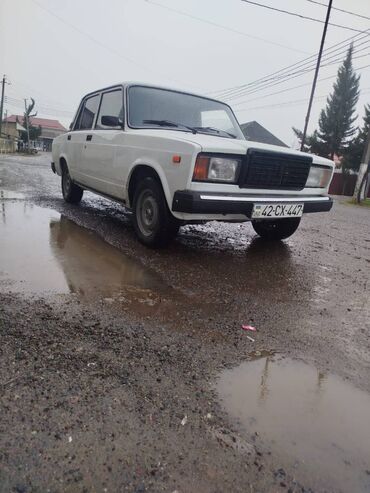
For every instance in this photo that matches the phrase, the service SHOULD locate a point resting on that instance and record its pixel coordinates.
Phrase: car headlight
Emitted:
(318, 177)
(223, 169)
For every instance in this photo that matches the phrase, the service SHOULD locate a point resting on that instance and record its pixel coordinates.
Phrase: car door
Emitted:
(80, 136)
(101, 153)
(74, 145)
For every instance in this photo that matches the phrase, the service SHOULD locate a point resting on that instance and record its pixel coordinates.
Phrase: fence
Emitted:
(343, 184)
(7, 146)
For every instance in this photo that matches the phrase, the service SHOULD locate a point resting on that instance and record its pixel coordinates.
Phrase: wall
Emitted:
(7, 145)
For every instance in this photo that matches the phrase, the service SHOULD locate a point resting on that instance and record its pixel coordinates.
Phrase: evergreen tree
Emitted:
(337, 119)
(312, 142)
(353, 154)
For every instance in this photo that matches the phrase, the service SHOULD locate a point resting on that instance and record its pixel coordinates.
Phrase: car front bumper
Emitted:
(188, 201)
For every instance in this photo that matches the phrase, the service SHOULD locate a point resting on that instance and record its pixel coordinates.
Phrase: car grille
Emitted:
(273, 170)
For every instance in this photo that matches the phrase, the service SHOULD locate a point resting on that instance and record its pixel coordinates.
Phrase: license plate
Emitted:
(266, 211)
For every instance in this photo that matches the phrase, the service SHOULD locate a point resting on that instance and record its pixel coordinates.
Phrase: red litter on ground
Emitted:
(249, 327)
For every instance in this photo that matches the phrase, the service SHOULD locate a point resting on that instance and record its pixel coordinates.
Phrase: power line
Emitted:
(293, 87)
(296, 74)
(304, 61)
(224, 93)
(17, 103)
(289, 103)
(221, 26)
(18, 100)
(340, 10)
(99, 43)
(299, 74)
(39, 93)
(295, 14)
(297, 71)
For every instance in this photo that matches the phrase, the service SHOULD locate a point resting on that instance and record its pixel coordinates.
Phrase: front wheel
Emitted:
(276, 229)
(154, 224)
(72, 193)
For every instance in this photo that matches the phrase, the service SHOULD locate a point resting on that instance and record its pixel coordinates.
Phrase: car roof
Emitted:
(154, 86)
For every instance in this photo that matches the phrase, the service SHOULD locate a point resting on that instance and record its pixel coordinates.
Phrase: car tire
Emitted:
(72, 193)
(276, 229)
(153, 222)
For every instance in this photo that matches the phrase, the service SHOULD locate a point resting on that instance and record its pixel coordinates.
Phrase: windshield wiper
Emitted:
(217, 130)
(169, 123)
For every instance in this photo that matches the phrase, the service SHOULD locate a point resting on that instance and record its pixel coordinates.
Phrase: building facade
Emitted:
(49, 129)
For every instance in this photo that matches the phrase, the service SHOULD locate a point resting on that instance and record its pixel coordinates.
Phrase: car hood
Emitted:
(214, 143)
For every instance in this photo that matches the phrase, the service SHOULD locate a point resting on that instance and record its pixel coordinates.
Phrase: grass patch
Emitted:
(365, 202)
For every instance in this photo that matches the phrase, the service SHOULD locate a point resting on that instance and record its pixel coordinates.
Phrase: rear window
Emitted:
(87, 113)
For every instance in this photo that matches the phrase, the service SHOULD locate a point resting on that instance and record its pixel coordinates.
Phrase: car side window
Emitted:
(111, 110)
(87, 114)
(76, 125)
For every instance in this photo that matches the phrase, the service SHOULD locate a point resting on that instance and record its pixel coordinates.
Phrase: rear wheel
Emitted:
(72, 193)
(276, 229)
(154, 224)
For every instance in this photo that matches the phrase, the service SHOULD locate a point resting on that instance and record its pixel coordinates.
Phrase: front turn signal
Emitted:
(201, 168)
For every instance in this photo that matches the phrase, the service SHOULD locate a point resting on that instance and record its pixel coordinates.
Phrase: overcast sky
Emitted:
(56, 51)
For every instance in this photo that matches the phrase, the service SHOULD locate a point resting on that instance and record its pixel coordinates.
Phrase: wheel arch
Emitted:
(59, 165)
(142, 170)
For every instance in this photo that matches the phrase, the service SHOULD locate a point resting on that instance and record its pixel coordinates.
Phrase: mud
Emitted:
(114, 346)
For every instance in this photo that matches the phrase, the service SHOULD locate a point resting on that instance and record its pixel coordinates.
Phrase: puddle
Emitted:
(316, 424)
(27, 263)
(42, 251)
(90, 264)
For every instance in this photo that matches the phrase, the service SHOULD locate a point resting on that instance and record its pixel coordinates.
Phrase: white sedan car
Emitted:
(175, 158)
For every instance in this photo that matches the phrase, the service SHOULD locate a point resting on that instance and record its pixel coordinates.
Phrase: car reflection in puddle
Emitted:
(45, 253)
(95, 269)
(314, 423)
(90, 264)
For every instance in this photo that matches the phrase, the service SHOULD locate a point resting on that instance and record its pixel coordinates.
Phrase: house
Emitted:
(256, 132)
(11, 130)
(10, 135)
(49, 128)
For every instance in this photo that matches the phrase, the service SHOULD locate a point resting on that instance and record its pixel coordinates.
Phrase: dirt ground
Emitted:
(111, 353)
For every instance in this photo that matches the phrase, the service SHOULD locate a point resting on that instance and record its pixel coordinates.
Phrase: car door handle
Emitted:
(69, 137)
(88, 137)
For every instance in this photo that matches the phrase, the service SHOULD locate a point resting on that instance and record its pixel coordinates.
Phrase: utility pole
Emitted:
(316, 74)
(27, 125)
(362, 172)
(3, 82)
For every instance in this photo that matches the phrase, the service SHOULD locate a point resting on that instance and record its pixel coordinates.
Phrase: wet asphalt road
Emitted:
(111, 353)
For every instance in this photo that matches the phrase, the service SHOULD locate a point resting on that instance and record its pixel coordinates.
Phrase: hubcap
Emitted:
(147, 212)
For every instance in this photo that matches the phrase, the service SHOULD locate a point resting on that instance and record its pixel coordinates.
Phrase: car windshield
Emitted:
(150, 107)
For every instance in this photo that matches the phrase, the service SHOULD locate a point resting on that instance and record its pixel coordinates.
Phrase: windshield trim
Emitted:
(178, 129)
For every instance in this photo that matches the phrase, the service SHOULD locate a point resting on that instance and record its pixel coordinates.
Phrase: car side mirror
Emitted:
(111, 121)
